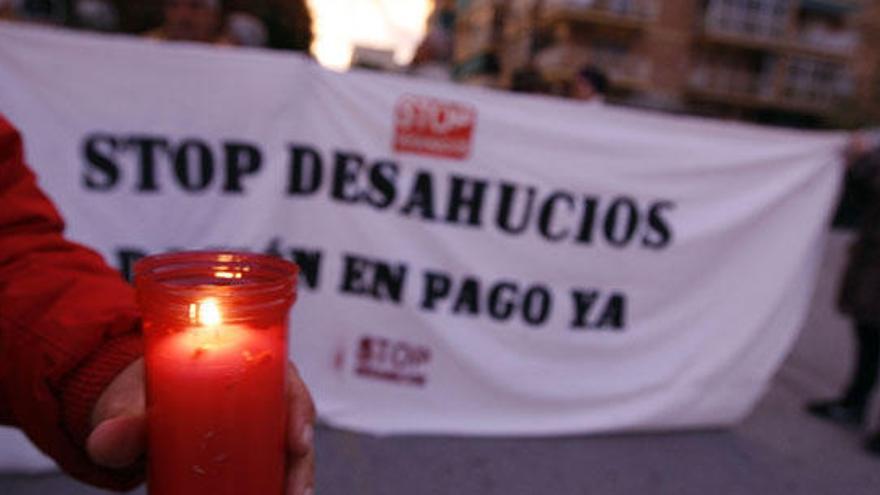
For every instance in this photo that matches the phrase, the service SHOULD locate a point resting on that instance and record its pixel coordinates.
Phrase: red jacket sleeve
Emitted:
(68, 323)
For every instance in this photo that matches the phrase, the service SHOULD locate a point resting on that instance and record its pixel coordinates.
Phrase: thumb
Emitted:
(118, 442)
(118, 439)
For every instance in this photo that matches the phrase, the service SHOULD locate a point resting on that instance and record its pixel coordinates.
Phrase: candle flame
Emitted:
(227, 275)
(209, 313)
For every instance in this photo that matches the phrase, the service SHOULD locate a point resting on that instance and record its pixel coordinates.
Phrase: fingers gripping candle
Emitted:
(215, 326)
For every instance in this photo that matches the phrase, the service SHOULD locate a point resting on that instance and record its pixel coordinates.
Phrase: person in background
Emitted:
(289, 23)
(191, 20)
(96, 15)
(7, 10)
(243, 29)
(590, 84)
(528, 80)
(433, 56)
(859, 297)
(71, 372)
(54, 12)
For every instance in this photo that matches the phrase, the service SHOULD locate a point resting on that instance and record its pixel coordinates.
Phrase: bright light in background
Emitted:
(387, 24)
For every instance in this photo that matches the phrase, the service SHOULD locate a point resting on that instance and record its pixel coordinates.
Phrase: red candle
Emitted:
(216, 355)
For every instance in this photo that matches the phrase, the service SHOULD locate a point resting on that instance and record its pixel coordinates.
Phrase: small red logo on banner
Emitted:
(392, 360)
(429, 126)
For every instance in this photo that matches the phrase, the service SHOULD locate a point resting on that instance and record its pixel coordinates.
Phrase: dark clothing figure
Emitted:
(864, 377)
(529, 80)
(859, 298)
(860, 293)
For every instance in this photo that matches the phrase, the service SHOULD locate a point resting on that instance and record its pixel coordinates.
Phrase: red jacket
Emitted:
(68, 323)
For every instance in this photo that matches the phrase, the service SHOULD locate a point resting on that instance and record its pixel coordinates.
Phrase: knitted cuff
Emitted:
(83, 387)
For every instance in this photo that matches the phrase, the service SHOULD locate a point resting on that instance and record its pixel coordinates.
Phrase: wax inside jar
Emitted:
(217, 409)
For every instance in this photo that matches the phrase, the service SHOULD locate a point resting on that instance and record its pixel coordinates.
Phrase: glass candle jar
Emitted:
(215, 328)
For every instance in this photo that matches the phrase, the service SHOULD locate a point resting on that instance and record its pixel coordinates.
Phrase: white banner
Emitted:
(474, 262)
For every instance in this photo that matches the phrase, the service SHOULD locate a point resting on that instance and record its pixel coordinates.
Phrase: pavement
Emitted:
(777, 450)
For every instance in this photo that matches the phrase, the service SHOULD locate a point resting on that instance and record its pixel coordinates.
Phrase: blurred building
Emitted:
(802, 62)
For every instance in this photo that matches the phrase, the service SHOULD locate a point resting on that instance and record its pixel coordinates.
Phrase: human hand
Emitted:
(118, 438)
